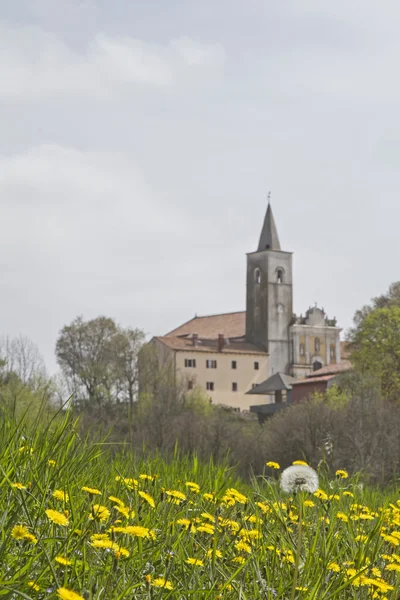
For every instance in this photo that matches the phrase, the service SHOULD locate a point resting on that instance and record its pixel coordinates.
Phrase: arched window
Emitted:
(302, 350)
(317, 345)
(279, 275)
(317, 365)
(257, 276)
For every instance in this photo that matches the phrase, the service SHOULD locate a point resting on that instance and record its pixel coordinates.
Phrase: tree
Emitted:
(375, 349)
(99, 360)
(391, 298)
(21, 357)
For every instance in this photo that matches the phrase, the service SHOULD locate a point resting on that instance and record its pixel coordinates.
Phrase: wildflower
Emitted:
(19, 532)
(185, 522)
(361, 538)
(162, 583)
(148, 499)
(300, 463)
(332, 566)
(309, 503)
(321, 494)
(99, 512)
(30, 538)
(57, 517)
(51, 462)
(342, 517)
(104, 543)
(116, 500)
(206, 528)
(301, 588)
(194, 487)
(62, 560)
(89, 490)
(206, 515)
(209, 497)
(299, 478)
(218, 553)
(342, 474)
(145, 477)
(195, 561)
(18, 486)
(239, 559)
(243, 547)
(176, 495)
(390, 538)
(237, 496)
(34, 586)
(347, 493)
(136, 530)
(121, 552)
(60, 495)
(393, 567)
(273, 465)
(65, 594)
(123, 510)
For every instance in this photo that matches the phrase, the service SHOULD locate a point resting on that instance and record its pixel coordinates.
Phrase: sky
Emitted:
(139, 140)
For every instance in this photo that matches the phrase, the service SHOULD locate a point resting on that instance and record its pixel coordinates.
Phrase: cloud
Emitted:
(37, 64)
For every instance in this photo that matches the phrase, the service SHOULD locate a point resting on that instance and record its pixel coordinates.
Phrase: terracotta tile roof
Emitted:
(341, 367)
(311, 380)
(207, 345)
(231, 325)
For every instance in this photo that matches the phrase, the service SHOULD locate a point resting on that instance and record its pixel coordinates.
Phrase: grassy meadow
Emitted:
(81, 519)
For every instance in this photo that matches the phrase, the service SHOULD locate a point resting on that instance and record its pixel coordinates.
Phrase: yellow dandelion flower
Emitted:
(210, 553)
(309, 503)
(148, 498)
(34, 586)
(116, 500)
(349, 494)
(195, 561)
(57, 517)
(194, 487)
(273, 465)
(300, 462)
(206, 528)
(121, 552)
(31, 538)
(103, 543)
(185, 522)
(243, 547)
(390, 538)
(135, 530)
(239, 559)
(393, 567)
(99, 513)
(123, 510)
(51, 462)
(89, 490)
(65, 594)
(61, 495)
(301, 588)
(176, 495)
(321, 494)
(206, 515)
(361, 538)
(342, 474)
(162, 583)
(236, 495)
(19, 532)
(332, 566)
(62, 560)
(209, 497)
(146, 477)
(99, 536)
(18, 486)
(342, 517)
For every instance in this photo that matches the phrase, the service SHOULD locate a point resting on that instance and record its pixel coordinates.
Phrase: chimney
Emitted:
(195, 339)
(221, 342)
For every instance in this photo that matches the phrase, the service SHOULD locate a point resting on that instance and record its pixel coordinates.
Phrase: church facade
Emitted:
(233, 356)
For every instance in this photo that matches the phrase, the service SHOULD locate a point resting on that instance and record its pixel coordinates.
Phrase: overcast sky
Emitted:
(139, 139)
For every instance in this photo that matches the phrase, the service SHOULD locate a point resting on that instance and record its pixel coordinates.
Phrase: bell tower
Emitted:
(269, 297)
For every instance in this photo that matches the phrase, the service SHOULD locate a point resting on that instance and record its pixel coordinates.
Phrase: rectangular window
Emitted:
(234, 386)
(210, 386)
(234, 364)
(190, 362)
(253, 385)
(256, 365)
(211, 364)
(190, 385)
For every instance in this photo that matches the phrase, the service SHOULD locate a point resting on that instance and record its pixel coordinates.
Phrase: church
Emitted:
(249, 359)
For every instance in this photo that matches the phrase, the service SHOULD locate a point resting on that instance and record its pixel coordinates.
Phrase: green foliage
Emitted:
(99, 359)
(376, 349)
(179, 529)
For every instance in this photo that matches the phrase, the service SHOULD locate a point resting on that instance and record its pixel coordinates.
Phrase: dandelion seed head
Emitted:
(299, 478)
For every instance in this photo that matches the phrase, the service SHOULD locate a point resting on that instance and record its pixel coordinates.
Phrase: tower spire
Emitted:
(269, 239)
